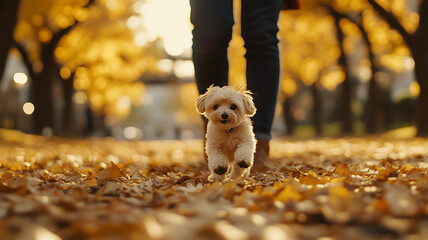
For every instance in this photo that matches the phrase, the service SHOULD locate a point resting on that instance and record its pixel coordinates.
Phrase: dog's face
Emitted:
(225, 107)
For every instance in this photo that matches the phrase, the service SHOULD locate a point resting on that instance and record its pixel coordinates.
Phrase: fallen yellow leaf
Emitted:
(289, 193)
(343, 170)
(111, 173)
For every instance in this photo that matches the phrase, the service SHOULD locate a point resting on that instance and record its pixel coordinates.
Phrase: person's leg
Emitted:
(259, 29)
(212, 21)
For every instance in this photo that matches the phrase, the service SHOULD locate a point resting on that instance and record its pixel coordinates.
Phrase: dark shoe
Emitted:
(261, 156)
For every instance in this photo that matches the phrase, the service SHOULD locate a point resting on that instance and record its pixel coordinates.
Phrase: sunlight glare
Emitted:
(140, 39)
(184, 69)
(133, 22)
(159, 16)
(166, 65)
(124, 102)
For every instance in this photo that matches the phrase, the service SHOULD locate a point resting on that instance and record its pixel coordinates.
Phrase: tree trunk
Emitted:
(288, 115)
(420, 56)
(422, 112)
(421, 72)
(8, 18)
(346, 88)
(372, 105)
(316, 109)
(42, 86)
(68, 112)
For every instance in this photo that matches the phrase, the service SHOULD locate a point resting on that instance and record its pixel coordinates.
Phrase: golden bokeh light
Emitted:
(45, 35)
(37, 20)
(20, 78)
(309, 70)
(81, 72)
(97, 100)
(132, 133)
(80, 97)
(288, 86)
(64, 21)
(65, 72)
(28, 108)
(414, 88)
(81, 14)
(333, 78)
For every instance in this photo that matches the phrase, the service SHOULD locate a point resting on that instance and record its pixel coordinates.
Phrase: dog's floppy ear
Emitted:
(249, 107)
(200, 103)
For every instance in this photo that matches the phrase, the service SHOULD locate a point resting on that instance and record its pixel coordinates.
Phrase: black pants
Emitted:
(213, 21)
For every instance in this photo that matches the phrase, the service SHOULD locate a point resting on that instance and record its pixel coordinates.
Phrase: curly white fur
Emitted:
(230, 144)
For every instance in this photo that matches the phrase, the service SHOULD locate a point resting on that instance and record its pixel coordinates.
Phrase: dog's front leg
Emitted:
(244, 155)
(218, 164)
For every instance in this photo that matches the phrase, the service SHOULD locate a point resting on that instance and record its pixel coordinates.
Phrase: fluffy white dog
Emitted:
(230, 144)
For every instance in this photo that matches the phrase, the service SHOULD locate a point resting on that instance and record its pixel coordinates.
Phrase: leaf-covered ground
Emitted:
(356, 188)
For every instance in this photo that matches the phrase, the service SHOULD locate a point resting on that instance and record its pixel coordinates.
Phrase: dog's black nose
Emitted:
(224, 115)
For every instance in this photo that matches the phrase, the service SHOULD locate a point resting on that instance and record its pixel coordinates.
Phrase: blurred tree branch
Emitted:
(392, 21)
(61, 33)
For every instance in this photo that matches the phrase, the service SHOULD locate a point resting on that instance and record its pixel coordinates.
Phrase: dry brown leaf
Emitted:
(343, 170)
(8, 176)
(111, 173)
(389, 171)
(310, 179)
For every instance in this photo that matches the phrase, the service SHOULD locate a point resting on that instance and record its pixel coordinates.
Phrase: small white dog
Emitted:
(230, 137)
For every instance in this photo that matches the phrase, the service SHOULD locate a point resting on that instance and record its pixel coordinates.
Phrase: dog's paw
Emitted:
(215, 177)
(220, 170)
(218, 174)
(243, 164)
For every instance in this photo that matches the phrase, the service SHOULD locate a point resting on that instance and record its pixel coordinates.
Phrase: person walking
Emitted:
(213, 21)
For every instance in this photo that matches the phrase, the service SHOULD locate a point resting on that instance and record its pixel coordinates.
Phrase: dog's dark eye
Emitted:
(233, 107)
(215, 107)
